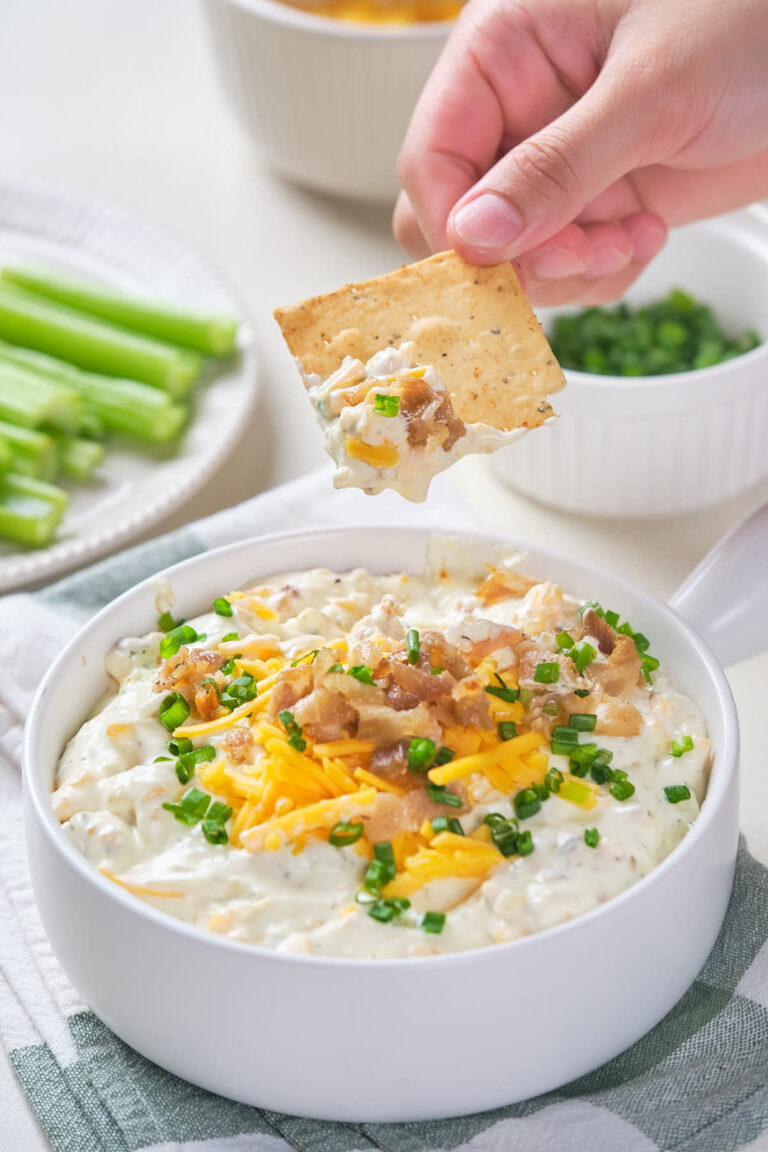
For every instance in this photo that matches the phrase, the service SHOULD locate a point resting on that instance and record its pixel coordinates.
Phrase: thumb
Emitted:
(544, 183)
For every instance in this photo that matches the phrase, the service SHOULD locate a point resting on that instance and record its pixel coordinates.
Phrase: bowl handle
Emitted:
(726, 596)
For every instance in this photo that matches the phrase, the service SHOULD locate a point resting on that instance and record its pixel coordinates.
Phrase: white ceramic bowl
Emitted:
(659, 445)
(325, 101)
(382, 1040)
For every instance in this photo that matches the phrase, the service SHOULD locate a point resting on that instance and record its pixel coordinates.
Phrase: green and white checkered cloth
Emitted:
(697, 1083)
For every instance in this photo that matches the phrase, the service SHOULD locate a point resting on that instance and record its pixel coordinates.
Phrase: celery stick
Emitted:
(123, 406)
(6, 457)
(94, 345)
(30, 401)
(79, 458)
(212, 335)
(30, 511)
(32, 453)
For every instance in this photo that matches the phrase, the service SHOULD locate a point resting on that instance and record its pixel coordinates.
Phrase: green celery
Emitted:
(30, 401)
(79, 458)
(32, 453)
(30, 510)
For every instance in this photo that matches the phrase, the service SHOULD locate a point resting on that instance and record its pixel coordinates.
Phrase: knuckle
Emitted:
(549, 164)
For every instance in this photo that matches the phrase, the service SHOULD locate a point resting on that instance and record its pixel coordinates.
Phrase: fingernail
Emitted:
(488, 222)
(606, 261)
(556, 264)
(648, 243)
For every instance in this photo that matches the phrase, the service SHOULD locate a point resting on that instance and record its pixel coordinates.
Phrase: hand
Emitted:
(568, 135)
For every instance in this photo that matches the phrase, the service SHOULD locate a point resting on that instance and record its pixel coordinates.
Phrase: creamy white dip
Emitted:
(383, 425)
(110, 786)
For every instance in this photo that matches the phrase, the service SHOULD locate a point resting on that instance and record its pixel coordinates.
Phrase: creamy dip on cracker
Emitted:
(346, 764)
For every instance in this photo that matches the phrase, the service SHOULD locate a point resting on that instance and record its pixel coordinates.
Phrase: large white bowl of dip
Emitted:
(325, 100)
(662, 445)
(382, 1039)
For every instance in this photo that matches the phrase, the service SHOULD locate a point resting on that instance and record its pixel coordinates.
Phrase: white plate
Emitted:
(44, 225)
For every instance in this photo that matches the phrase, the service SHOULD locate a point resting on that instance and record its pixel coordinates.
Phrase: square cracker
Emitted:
(474, 325)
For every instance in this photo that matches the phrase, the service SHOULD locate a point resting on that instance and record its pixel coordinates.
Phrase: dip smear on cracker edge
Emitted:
(409, 371)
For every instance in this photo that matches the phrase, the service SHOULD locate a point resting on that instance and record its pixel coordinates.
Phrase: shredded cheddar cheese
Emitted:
(377, 455)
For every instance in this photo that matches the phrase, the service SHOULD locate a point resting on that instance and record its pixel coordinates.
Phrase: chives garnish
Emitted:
(582, 654)
(584, 753)
(593, 604)
(336, 667)
(179, 745)
(591, 837)
(525, 843)
(526, 803)
(421, 754)
(682, 745)
(447, 824)
(229, 636)
(215, 832)
(508, 695)
(506, 729)
(547, 673)
(582, 721)
(554, 779)
(228, 667)
(551, 708)
(191, 808)
(564, 641)
(599, 769)
(412, 646)
(622, 790)
(433, 922)
(384, 852)
(381, 869)
(222, 607)
(612, 618)
(649, 664)
(439, 795)
(444, 756)
(582, 692)
(565, 733)
(577, 769)
(505, 832)
(173, 640)
(386, 910)
(166, 622)
(642, 643)
(158, 759)
(305, 658)
(541, 788)
(173, 711)
(436, 671)
(677, 792)
(362, 673)
(345, 833)
(188, 761)
(295, 738)
(384, 405)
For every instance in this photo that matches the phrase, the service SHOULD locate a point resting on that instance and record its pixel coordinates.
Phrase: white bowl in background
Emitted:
(325, 101)
(659, 445)
(382, 1040)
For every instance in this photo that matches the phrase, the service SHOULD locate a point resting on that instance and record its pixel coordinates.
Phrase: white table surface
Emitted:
(119, 98)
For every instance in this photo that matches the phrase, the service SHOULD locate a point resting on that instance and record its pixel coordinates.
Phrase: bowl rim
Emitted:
(283, 13)
(723, 772)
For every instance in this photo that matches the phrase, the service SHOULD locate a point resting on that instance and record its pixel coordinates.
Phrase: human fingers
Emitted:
(407, 230)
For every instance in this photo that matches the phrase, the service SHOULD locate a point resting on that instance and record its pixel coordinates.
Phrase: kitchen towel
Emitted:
(697, 1083)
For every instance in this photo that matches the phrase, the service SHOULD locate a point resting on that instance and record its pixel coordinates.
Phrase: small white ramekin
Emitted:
(659, 445)
(325, 101)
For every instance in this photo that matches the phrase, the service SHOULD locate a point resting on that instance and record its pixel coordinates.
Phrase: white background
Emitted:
(119, 98)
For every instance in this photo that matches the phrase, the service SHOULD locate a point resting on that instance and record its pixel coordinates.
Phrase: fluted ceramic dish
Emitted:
(41, 224)
(423, 1037)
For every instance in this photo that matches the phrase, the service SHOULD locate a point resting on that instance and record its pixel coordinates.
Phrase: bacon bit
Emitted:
(599, 628)
(621, 671)
(617, 717)
(239, 745)
(442, 424)
(392, 816)
(292, 685)
(185, 671)
(501, 585)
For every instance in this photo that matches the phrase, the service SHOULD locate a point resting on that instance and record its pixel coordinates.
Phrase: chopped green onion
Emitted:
(642, 643)
(433, 922)
(577, 769)
(682, 745)
(386, 910)
(593, 604)
(541, 788)
(166, 622)
(345, 833)
(584, 753)
(565, 734)
(159, 759)
(214, 832)
(305, 658)
(547, 673)
(362, 673)
(222, 607)
(551, 709)
(600, 772)
(525, 843)
(677, 792)
(336, 667)
(582, 692)
(421, 754)
(582, 654)
(526, 803)
(505, 832)
(188, 761)
(295, 738)
(575, 792)
(191, 808)
(508, 695)
(436, 671)
(622, 790)
(179, 745)
(612, 618)
(447, 824)
(506, 729)
(173, 640)
(385, 852)
(229, 636)
(554, 779)
(209, 682)
(384, 405)
(649, 664)
(582, 721)
(381, 869)
(444, 756)
(564, 641)
(439, 795)
(173, 711)
(412, 646)
(228, 667)
(591, 837)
